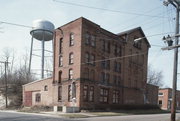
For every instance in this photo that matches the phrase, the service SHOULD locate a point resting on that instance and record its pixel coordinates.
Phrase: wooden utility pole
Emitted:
(176, 4)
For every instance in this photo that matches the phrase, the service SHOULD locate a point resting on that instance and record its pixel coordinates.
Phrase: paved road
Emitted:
(154, 117)
(13, 116)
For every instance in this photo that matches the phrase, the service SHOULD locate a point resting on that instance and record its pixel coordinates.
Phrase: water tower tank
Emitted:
(42, 30)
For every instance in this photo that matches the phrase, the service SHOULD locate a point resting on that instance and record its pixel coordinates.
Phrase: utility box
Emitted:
(66, 109)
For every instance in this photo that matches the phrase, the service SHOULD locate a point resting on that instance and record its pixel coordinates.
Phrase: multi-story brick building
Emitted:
(93, 67)
(165, 98)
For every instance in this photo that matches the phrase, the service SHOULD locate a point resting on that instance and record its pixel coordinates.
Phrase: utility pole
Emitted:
(176, 4)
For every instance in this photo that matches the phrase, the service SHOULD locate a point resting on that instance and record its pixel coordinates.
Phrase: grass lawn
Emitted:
(114, 113)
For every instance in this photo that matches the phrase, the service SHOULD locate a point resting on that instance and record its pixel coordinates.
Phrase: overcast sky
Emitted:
(115, 16)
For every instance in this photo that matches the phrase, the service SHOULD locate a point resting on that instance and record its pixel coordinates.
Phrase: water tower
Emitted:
(43, 31)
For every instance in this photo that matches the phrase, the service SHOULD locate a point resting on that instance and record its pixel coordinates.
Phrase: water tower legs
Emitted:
(42, 58)
(31, 54)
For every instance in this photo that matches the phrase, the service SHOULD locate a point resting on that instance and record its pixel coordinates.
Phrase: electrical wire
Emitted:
(144, 22)
(14, 24)
(104, 9)
(136, 17)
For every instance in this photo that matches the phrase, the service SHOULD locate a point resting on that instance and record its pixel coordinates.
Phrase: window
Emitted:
(60, 61)
(119, 51)
(91, 94)
(87, 41)
(70, 74)
(160, 94)
(115, 49)
(103, 77)
(59, 93)
(60, 46)
(59, 76)
(115, 79)
(92, 75)
(103, 45)
(108, 47)
(105, 64)
(38, 97)
(86, 73)
(69, 93)
(71, 57)
(160, 102)
(108, 64)
(118, 80)
(87, 57)
(137, 44)
(117, 66)
(92, 59)
(85, 93)
(115, 96)
(45, 88)
(73, 88)
(93, 41)
(104, 93)
(71, 42)
(107, 77)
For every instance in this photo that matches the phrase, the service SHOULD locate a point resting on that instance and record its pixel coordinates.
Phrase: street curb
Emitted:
(40, 114)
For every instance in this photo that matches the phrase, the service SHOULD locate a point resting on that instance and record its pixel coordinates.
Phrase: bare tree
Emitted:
(155, 77)
(16, 76)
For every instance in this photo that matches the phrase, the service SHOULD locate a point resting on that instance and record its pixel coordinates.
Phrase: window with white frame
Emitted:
(160, 94)
(71, 41)
(71, 57)
(115, 96)
(70, 74)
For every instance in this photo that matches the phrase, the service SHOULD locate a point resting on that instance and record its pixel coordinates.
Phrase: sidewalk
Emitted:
(87, 114)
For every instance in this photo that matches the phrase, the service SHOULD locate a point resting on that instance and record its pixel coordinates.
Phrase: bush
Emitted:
(122, 107)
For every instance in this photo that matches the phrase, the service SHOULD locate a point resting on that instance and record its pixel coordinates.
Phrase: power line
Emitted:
(14, 24)
(104, 9)
(114, 58)
(136, 17)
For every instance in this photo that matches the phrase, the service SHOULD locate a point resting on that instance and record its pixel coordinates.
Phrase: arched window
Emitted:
(60, 61)
(71, 57)
(60, 46)
(71, 41)
(59, 93)
(70, 74)
(38, 97)
(45, 88)
(59, 76)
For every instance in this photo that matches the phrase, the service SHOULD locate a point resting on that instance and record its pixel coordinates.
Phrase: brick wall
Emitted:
(152, 94)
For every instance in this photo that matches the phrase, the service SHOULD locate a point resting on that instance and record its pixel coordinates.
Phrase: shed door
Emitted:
(28, 98)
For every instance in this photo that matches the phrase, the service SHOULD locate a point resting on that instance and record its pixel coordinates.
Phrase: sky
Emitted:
(116, 16)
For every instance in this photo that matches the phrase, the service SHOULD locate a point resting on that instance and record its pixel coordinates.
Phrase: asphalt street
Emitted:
(150, 117)
(16, 116)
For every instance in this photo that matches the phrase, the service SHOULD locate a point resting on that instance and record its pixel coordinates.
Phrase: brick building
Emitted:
(152, 94)
(165, 98)
(93, 67)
